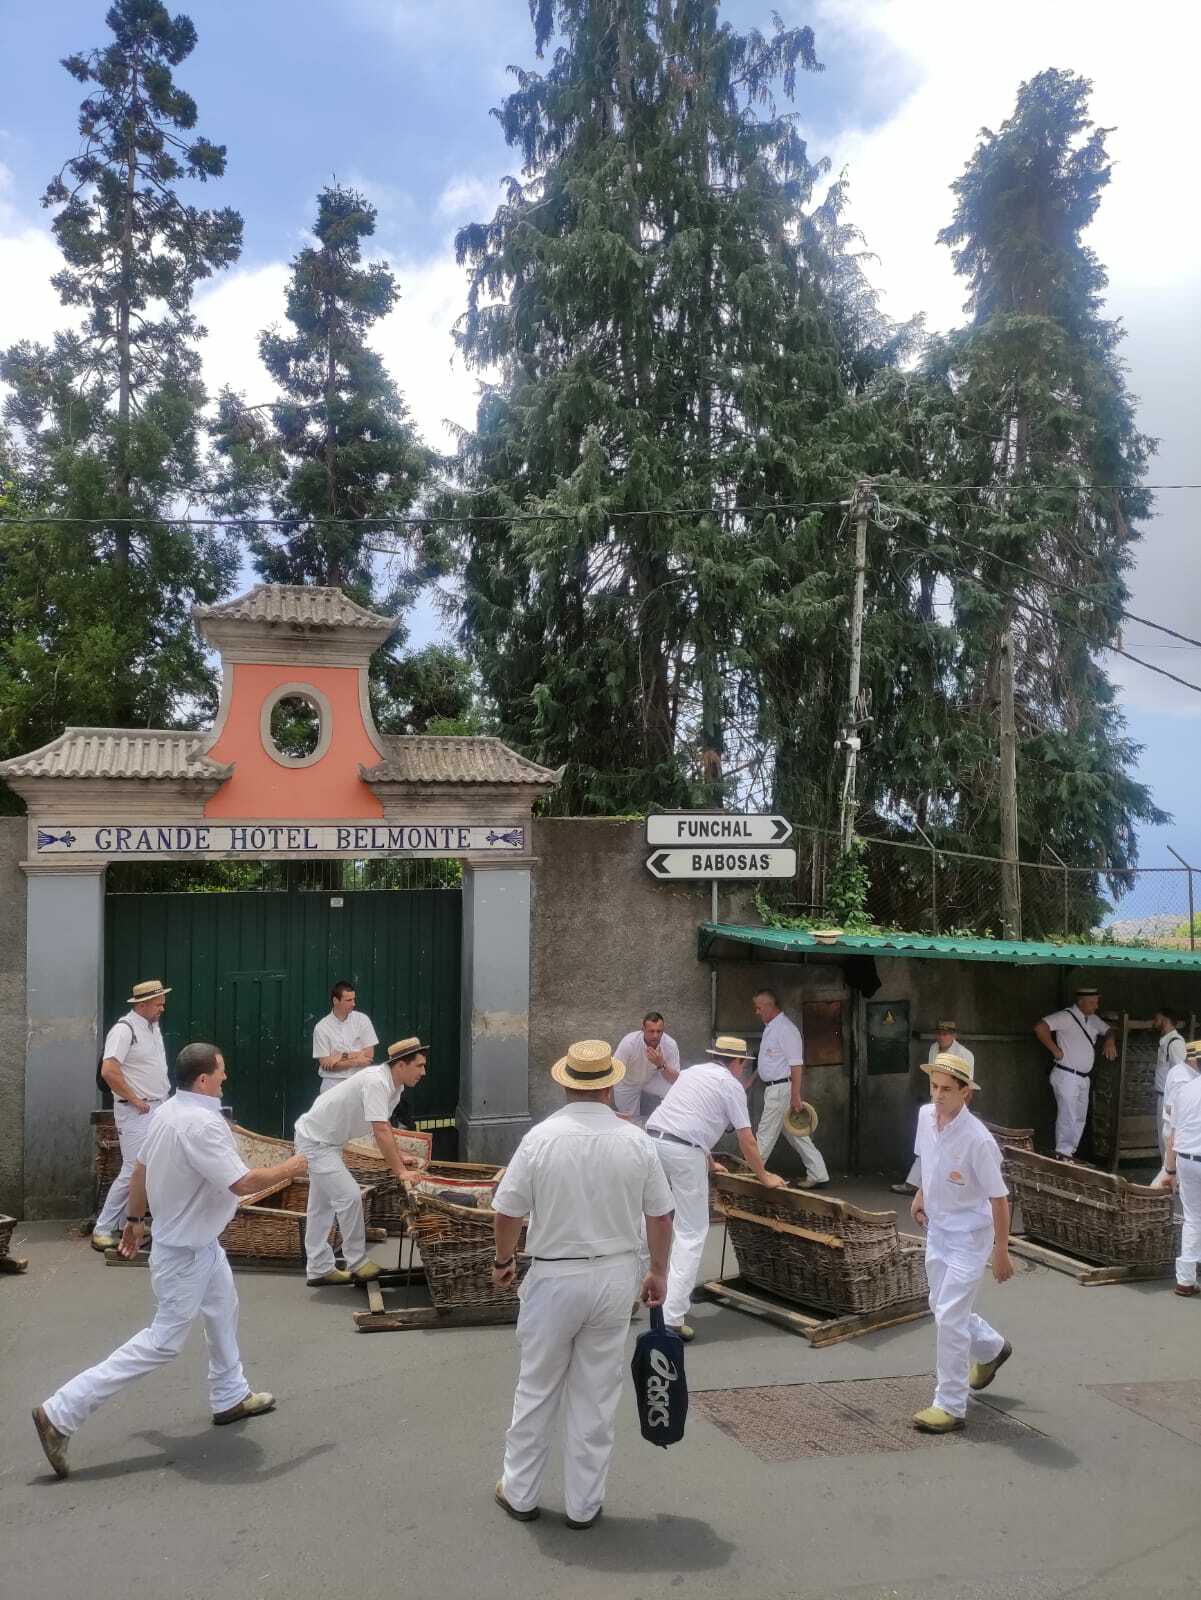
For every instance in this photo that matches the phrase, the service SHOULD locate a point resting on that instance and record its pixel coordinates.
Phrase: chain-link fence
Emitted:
(922, 889)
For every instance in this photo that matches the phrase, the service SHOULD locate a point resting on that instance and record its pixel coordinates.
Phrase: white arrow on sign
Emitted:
(717, 827)
(725, 862)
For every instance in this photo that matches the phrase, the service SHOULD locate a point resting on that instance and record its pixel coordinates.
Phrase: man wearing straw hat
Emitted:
(191, 1174)
(946, 1042)
(134, 1066)
(351, 1110)
(964, 1206)
(692, 1116)
(587, 1181)
(781, 1066)
(1072, 1036)
(1182, 1168)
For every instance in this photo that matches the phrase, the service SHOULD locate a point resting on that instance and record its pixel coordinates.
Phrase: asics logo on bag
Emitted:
(658, 1413)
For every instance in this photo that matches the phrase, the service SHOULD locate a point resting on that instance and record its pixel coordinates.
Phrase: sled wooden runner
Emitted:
(1086, 1273)
(819, 1327)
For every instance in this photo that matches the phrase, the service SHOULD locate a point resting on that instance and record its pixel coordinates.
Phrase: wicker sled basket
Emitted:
(457, 1250)
(1092, 1214)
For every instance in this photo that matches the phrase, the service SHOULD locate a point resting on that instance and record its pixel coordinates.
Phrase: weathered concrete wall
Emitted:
(493, 1102)
(12, 1015)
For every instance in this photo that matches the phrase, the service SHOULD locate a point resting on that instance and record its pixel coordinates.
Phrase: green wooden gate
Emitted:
(251, 972)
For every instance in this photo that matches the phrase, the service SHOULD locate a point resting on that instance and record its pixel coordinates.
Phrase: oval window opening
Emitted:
(295, 727)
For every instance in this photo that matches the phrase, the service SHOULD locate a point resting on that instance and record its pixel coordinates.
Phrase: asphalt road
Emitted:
(374, 1477)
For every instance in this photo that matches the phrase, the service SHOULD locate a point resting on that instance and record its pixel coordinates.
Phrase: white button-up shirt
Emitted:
(701, 1104)
(1186, 1118)
(1077, 1035)
(585, 1179)
(961, 1170)
(780, 1049)
(639, 1070)
(1170, 1053)
(956, 1049)
(1180, 1075)
(333, 1035)
(140, 1049)
(191, 1159)
(347, 1111)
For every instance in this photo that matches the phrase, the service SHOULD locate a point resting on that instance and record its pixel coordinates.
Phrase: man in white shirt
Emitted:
(964, 1206)
(1072, 1036)
(651, 1058)
(191, 1174)
(780, 1066)
(587, 1181)
(360, 1105)
(1169, 1053)
(344, 1041)
(947, 1043)
(694, 1114)
(134, 1066)
(1182, 1171)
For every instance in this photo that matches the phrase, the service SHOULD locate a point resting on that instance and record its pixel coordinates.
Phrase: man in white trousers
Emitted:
(694, 1114)
(651, 1058)
(344, 1040)
(360, 1105)
(946, 1042)
(134, 1066)
(964, 1206)
(1182, 1170)
(587, 1181)
(191, 1175)
(780, 1066)
(1072, 1036)
(1169, 1053)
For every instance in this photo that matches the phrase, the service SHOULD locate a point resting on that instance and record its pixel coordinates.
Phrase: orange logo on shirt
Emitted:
(955, 1177)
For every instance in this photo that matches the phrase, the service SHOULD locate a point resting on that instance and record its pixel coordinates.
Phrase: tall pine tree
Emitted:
(105, 422)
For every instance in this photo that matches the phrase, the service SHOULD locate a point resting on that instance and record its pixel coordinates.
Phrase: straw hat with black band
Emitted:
(404, 1048)
(143, 993)
(955, 1067)
(729, 1047)
(588, 1065)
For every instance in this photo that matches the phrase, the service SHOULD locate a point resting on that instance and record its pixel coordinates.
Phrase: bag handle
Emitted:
(657, 1323)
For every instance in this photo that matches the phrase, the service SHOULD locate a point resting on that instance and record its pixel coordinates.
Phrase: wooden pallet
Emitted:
(819, 1327)
(1087, 1273)
(401, 1319)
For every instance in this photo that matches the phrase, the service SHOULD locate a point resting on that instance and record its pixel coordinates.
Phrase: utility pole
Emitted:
(851, 739)
(1011, 898)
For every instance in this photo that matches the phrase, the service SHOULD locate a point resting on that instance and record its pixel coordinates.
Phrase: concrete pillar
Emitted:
(494, 1107)
(64, 996)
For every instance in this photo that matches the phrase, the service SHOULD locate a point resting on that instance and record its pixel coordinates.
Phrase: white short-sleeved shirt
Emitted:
(961, 1170)
(1168, 1054)
(780, 1049)
(191, 1159)
(701, 1104)
(640, 1071)
(1077, 1035)
(142, 1054)
(585, 1179)
(333, 1035)
(1181, 1074)
(956, 1049)
(1186, 1117)
(347, 1111)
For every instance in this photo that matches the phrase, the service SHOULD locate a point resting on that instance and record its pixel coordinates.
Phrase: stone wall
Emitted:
(12, 1014)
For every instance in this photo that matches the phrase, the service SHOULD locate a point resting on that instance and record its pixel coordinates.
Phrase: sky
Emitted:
(394, 97)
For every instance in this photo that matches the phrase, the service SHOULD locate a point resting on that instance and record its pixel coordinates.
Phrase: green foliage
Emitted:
(848, 887)
(430, 691)
(105, 422)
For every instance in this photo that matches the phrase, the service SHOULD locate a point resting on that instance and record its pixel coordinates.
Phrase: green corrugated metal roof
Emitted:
(1012, 952)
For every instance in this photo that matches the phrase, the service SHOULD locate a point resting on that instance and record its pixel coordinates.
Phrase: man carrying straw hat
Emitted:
(134, 1066)
(693, 1115)
(964, 1206)
(587, 1181)
(352, 1109)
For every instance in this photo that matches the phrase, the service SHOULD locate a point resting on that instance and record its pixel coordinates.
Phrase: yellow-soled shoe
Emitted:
(104, 1241)
(983, 1372)
(935, 1420)
(254, 1405)
(335, 1275)
(366, 1271)
(52, 1441)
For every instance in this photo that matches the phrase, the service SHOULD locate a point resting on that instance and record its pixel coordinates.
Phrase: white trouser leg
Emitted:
(132, 1128)
(955, 1266)
(182, 1280)
(333, 1193)
(771, 1119)
(572, 1331)
(1159, 1134)
(687, 1172)
(627, 1099)
(1188, 1176)
(219, 1309)
(1071, 1101)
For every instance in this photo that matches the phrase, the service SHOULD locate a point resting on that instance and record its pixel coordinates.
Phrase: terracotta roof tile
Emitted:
(149, 753)
(462, 758)
(294, 604)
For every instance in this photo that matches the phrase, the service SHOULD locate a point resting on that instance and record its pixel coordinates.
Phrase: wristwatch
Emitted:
(140, 1220)
(498, 1265)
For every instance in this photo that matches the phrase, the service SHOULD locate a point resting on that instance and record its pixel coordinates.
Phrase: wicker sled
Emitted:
(1090, 1214)
(457, 1244)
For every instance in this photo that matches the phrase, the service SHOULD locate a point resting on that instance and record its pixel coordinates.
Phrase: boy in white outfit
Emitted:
(964, 1206)
(1182, 1169)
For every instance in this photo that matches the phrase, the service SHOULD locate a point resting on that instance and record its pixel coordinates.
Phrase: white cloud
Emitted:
(465, 195)
(234, 309)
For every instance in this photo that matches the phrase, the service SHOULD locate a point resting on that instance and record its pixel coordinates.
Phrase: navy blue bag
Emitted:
(660, 1386)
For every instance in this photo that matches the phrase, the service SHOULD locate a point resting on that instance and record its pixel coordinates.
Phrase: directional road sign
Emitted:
(712, 828)
(723, 861)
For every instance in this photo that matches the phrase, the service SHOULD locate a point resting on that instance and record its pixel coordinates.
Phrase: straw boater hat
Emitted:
(588, 1064)
(150, 990)
(954, 1067)
(1192, 1048)
(945, 1026)
(729, 1044)
(406, 1047)
(802, 1122)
